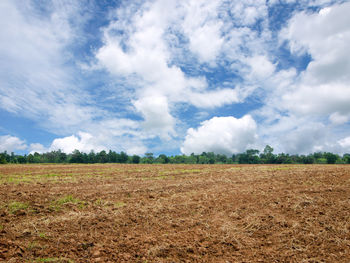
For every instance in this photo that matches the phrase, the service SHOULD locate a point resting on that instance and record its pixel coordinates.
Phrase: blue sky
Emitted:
(174, 77)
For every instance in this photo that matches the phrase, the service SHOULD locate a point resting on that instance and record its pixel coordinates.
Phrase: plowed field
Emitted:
(174, 213)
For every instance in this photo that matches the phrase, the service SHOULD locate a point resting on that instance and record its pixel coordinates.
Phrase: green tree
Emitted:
(112, 156)
(92, 157)
(21, 159)
(162, 158)
(249, 157)
(3, 158)
(123, 157)
(331, 157)
(346, 158)
(76, 157)
(102, 157)
(148, 158)
(135, 159)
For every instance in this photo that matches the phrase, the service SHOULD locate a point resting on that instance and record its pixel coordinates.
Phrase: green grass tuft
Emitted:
(16, 206)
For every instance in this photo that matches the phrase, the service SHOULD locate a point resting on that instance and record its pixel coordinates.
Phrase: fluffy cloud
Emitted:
(10, 144)
(203, 29)
(324, 86)
(84, 142)
(302, 109)
(155, 111)
(225, 135)
(345, 144)
(37, 147)
(149, 51)
(260, 67)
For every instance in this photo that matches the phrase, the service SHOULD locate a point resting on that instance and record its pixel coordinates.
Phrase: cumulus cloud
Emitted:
(83, 142)
(149, 49)
(345, 144)
(224, 135)
(157, 119)
(304, 139)
(248, 12)
(11, 143)
(37, 147)
(324, 85)
(203, 29)
(302, 109)
(260, 67)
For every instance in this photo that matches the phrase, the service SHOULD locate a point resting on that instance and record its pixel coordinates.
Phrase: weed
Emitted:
(32, 245)
(16, 206)
(47, 259)
(42, 235)
(51, 175)
(68, 199)
(119, 204)
(101, 202)
(18, 180)
(54, 260)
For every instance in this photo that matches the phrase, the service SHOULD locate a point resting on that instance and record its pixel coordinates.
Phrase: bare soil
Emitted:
(174, 213)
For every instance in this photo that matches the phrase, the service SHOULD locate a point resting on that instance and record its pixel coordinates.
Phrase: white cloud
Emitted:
(138, 150)
(248, 12)
(304, 112)
(305, 139)
(157, 119)
(203, 28)
(225, 135)
(345, 144)
(37, 147)
(339, 119)
(83, 142)
(36, 79)
(260, 67)
(144, 56)
(212, 99)
(323, 88)
(11, 143)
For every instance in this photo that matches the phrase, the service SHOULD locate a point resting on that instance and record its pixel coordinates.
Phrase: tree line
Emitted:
(250, 156)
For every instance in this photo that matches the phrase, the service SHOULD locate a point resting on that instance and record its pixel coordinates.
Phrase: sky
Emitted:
(175, 77)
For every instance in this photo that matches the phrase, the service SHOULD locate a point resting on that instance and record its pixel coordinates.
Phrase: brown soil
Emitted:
(174, 213)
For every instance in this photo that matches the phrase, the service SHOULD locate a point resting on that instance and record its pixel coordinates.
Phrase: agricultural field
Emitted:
(174, 213)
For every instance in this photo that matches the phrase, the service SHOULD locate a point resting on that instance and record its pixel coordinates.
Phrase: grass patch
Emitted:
(47, 259)
(102, 203)
(42, 235)
(51, 175)
(32, 245)
(68, 199)
(15, 206)
(61, 260)
(119, 204)
(17, 180)
(162, 177)
(280, 168)
(180, 171)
